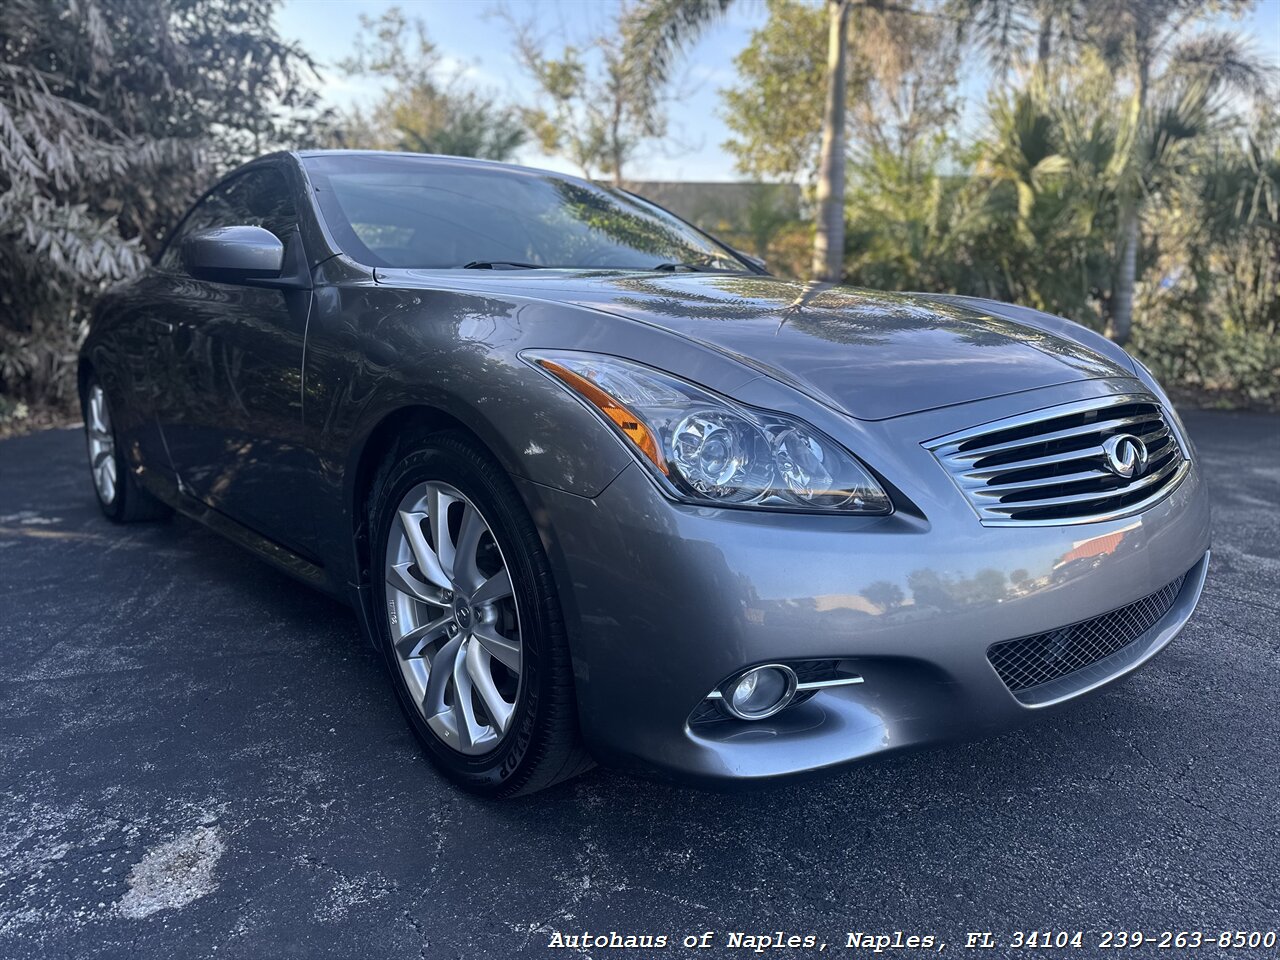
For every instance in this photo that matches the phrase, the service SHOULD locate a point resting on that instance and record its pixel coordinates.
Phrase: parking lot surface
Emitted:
(201, 758)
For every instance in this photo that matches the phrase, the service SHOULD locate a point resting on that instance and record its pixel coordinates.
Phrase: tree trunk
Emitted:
(615, 134)
(615, 162)
(1130, 226)
(1122, 302)
(618, 180)
(1044, 44)
(828, 242)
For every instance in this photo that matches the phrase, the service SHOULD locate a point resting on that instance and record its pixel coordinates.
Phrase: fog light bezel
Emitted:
(726, 692)
(817, 677)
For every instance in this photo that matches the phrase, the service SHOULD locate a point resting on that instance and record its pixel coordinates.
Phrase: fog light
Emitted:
(760, 692)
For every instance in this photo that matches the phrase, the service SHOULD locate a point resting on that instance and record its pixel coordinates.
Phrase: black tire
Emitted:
(128, 502)
(543, 745)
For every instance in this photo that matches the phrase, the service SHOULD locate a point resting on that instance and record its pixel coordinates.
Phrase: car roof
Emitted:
(440, 159)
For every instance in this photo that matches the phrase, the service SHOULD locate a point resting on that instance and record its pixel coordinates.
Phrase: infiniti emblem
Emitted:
(1126, 455)
(463, 616)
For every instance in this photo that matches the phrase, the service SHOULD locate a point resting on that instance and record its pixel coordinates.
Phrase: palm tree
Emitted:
(1007, 28)
(828, 240)
(1135, 37)
(661, 29)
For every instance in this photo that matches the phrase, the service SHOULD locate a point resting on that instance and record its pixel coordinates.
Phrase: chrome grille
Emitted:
(1031, 661)
(1050, 466)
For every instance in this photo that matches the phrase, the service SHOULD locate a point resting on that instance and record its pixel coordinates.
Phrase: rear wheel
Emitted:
(469, 620)
(120, 496)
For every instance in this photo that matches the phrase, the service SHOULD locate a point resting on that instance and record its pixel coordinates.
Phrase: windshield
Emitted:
(389, 211)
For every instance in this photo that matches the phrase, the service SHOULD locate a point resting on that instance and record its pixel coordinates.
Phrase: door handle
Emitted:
(164, 325)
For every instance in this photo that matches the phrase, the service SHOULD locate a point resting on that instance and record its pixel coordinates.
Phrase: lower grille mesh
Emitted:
(1030, 661)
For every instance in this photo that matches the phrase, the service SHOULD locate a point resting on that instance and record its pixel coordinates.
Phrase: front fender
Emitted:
(377, 356)
(531, 426)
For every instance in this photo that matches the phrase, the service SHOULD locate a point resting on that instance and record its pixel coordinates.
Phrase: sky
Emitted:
(473, 39)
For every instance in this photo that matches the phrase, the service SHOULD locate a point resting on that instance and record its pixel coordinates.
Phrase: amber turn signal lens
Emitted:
(627, 421)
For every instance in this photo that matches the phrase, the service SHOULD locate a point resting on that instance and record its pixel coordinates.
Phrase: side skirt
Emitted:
(282, 558)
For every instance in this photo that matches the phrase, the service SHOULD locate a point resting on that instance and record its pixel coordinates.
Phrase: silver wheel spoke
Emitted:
(465, 571)
(438, 503)
(506, 652)
(469, 729)
(399, 577)
(441, 668)
(478, 668)
(426, 558)
(414, 641)
(495, 588)
(95, 413)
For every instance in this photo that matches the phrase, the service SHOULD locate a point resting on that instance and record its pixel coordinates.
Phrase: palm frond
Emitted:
(1222, 58)
(657, 31)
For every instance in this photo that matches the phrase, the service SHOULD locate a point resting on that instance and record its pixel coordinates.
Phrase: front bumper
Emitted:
(664, 601)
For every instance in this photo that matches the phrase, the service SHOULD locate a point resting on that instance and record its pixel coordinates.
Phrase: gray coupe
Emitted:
(600, 488)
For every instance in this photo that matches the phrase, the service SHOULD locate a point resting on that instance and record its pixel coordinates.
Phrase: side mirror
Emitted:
(233, 254)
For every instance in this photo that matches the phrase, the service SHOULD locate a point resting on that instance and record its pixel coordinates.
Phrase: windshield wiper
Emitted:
(702, 264)
(673, 267)
(494, 264)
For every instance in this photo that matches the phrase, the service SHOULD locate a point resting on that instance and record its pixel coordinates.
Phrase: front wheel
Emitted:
(469, 620)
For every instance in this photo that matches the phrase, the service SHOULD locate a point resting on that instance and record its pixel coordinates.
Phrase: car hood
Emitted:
(869, 354)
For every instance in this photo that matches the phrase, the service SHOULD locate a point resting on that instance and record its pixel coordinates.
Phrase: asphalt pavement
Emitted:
(201, 758)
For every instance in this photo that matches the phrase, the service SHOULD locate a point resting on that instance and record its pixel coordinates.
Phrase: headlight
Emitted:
(707, 449)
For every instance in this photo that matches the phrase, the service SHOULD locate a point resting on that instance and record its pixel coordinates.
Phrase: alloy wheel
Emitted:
(102, 444)
(454, 622)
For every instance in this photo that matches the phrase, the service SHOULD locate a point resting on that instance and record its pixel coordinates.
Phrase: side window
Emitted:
(258, 198)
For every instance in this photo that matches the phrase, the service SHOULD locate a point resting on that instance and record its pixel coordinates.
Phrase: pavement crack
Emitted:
(416, 925)
(1248, 603)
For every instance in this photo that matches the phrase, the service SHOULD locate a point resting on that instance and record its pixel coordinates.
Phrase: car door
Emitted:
(231, 414)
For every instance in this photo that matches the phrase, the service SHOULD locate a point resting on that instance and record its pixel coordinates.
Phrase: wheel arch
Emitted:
(85, 371)
(380, 442)
(95, 364)
(505, 432)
